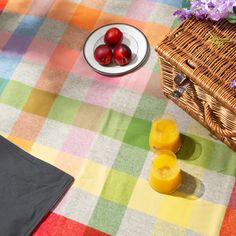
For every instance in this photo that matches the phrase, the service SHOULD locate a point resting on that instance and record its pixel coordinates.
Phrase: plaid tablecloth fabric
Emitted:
(96, 128)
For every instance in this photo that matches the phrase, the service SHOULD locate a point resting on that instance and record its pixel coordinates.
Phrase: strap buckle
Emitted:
(182, 83)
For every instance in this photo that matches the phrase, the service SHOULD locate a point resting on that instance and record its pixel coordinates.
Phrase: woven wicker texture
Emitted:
(206, 52)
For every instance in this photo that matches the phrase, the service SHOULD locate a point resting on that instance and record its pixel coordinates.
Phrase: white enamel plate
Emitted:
(132, 37)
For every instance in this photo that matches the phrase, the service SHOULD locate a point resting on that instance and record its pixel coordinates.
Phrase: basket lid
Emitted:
(206, 52)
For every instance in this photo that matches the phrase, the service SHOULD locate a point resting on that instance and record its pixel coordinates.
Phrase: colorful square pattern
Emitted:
(107, 216)
(17, 44)
(15, 94)
(124, 185)
(39, 102)
(96, 127)
(64, 109)
(78, 141)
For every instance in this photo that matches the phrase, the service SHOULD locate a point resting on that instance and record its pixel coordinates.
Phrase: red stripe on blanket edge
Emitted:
(3, 3)
(228, 226)
(57, 225)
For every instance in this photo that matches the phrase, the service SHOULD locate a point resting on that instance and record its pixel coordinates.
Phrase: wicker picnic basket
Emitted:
(198, 62)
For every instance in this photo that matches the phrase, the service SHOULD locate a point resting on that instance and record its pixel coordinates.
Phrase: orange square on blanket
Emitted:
(62, 10)
(27, 126)
(155, 32)
(51, 80)
(107, 18)
(137, 23)
(22, 143)
(19, 6)
(85, 17)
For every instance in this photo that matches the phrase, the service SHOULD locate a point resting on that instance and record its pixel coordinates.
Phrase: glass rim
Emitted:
(165, 117)
(167, 151)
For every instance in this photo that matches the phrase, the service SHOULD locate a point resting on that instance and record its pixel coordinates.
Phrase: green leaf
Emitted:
(186, 4)
(234, 9)
(231, 19)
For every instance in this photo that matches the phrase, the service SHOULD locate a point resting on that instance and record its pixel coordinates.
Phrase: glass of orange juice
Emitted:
(164, 135)
(165, 175)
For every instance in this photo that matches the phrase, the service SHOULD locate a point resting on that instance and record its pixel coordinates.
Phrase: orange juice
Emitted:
(165, 175)
(164, 135)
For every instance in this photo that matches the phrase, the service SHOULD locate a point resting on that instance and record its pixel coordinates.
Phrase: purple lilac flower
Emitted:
(183, 14)
(232, 83)
(207, 9)
(218, 9)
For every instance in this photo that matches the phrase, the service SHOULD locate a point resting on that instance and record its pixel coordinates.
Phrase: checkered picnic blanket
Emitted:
(96, 128)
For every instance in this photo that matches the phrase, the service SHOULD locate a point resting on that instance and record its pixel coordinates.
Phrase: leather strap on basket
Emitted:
(214, 126)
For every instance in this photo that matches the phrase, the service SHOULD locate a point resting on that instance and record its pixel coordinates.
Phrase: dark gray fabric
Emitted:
(29, 188)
